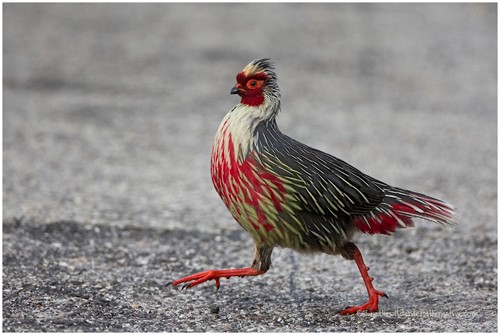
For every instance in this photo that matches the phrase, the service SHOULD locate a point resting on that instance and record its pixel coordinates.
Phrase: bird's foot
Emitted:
(370, 306)
(202, 277)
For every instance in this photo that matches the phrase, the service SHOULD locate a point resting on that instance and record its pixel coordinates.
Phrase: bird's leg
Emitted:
(261, 263)
(351, 251)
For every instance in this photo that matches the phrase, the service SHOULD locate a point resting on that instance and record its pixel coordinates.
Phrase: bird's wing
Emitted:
(322, 183)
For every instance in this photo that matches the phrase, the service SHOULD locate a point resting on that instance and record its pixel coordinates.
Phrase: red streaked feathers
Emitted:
(381, 223)
(242, 184)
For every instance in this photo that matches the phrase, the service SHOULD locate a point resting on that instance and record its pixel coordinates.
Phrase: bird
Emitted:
(287, 194)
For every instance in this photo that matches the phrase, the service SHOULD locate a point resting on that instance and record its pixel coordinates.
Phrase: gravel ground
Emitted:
(109, 114)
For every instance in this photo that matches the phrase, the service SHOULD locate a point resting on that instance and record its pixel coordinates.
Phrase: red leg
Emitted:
(372, 304)
(202, 277)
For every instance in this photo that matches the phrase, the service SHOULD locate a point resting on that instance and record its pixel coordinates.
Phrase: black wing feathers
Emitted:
(323, 183)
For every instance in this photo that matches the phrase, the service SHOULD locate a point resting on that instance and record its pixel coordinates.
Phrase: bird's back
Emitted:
(328, 186)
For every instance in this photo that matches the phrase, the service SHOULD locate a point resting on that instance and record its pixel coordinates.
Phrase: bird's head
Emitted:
(257, 83)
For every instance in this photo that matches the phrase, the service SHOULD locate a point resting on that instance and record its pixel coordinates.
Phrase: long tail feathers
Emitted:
(398, 209)
(412, 204)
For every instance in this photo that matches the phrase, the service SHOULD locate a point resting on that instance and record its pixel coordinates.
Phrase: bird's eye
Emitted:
(253, 84)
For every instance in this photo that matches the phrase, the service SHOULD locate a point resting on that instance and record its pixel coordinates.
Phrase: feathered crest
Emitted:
(267, 66)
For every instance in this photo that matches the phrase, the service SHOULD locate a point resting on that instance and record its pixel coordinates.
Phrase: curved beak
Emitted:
(236, 89)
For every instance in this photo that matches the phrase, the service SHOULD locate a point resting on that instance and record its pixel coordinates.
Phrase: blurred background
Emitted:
(109, 111)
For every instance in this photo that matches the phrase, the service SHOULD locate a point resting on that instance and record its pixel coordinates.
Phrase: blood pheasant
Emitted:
(287, 194)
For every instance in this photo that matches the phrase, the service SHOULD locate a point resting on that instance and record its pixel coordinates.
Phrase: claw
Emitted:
(201, 277)
(341, 310)
(370, 306)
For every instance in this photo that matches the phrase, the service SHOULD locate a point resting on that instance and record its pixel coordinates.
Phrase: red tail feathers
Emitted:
(399, 207)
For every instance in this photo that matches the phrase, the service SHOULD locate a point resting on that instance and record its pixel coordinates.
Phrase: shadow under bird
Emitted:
(287, 194)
